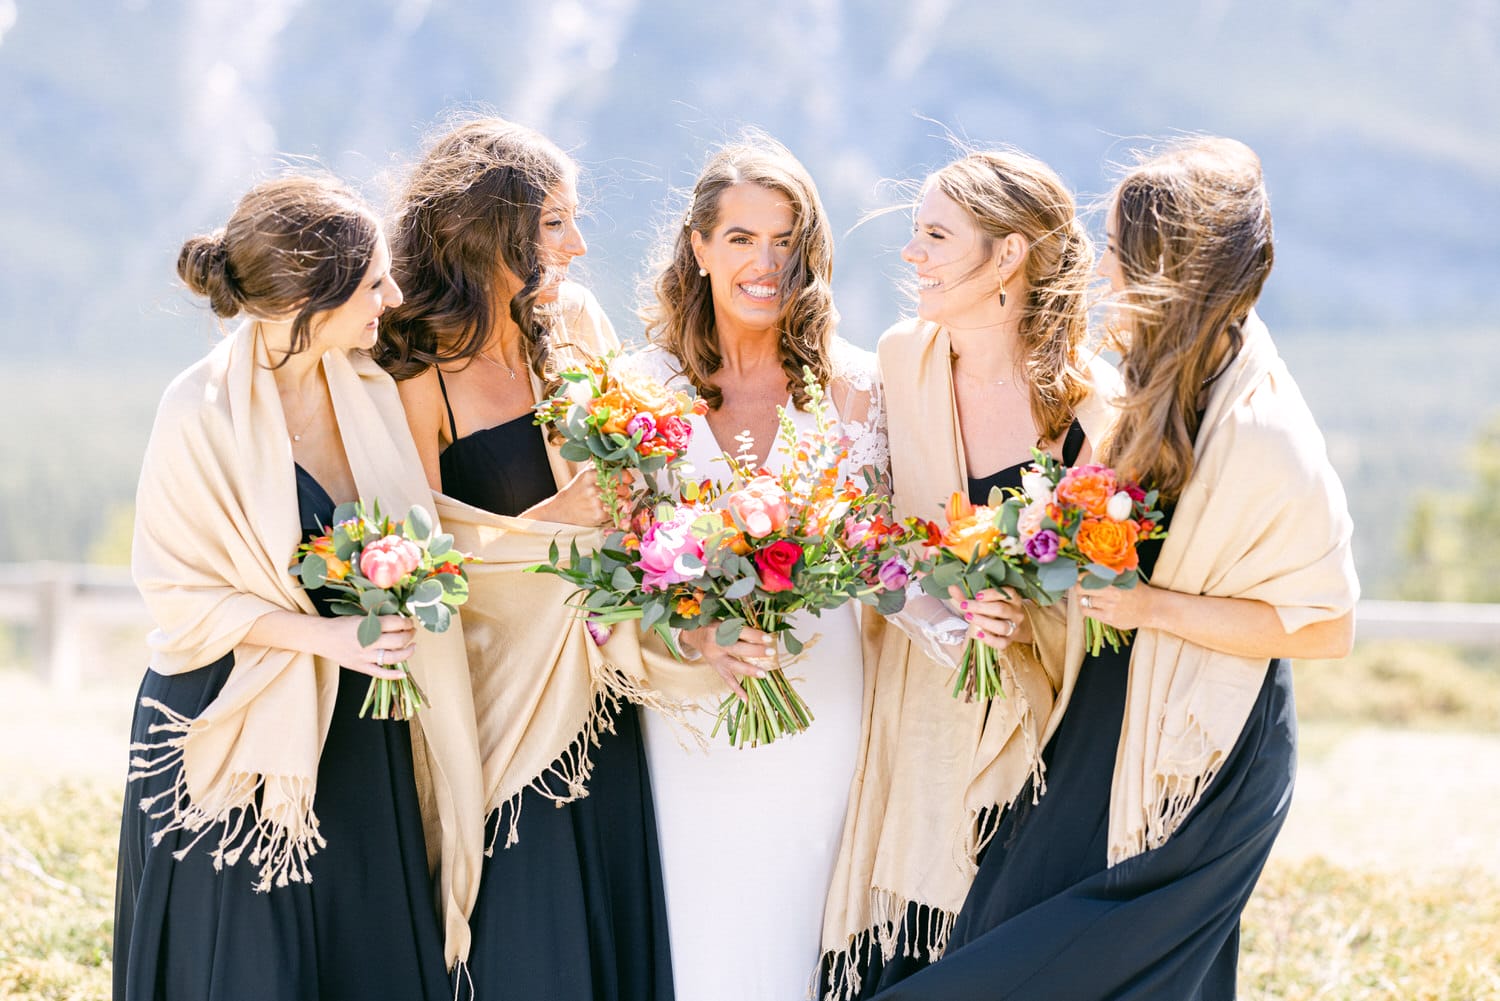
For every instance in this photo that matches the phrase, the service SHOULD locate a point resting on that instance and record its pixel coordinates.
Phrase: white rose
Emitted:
(1037, 486)
(1119, 506)
(579, 392)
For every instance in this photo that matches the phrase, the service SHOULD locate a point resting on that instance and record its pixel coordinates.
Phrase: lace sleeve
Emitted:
(858, 398)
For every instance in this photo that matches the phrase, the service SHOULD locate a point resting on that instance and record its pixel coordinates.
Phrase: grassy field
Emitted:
(1333, 917)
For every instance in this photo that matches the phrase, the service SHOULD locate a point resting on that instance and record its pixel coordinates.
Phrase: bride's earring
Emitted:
(702, 272)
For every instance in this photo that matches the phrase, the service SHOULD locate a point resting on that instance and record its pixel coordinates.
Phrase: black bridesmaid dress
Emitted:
(1046, 919)
(365, 927)
(574, 910)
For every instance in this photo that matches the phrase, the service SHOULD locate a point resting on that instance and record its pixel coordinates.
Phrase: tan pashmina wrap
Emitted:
(935, 770)
(217, 524)
(1263, 517)
(541, 684)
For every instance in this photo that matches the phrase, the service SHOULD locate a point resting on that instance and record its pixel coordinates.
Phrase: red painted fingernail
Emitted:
(981, 634)
(968, 616)
(963, 604)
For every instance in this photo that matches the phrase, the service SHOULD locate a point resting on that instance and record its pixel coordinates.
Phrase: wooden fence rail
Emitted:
(57, 604)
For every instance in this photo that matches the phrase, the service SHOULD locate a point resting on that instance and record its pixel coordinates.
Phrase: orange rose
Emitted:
(1109, 543)
(735, 541)
(688, 607)
(1089, 487)
(972, 538)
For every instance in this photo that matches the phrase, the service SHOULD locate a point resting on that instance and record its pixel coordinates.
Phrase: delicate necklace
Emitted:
(953, 358)
(498, 364)
(302, 428)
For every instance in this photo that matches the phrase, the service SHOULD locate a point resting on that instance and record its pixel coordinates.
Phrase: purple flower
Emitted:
(598, 632)
(644, 423)
(894, 574)
(1042, 547)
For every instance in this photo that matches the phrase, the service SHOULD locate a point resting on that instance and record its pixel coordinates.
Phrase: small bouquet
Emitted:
(384, 567)
(617, 418)
(1079, 525)
(972, 553)
(749, 552)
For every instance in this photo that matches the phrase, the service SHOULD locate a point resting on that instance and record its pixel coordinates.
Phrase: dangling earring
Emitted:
(702, 272)
(1002, 295)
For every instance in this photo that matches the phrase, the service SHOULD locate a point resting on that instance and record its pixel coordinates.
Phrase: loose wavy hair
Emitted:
(470, 210)
(298, 244)
(1007, 192)
(679, 309)
(1192, 233)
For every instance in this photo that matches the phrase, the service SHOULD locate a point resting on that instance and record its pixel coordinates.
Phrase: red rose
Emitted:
(676, 432)
(775, 563)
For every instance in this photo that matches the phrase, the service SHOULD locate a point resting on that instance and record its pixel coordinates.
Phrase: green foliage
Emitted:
(1419, 685)
(1452, 539)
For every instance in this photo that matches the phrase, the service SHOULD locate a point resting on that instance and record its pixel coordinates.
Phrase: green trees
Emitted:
(1452, 541)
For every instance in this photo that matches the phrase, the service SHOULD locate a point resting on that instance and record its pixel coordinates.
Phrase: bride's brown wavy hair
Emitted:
(1004, 192)
(679, 309)
(1192, 234)
(470, 210)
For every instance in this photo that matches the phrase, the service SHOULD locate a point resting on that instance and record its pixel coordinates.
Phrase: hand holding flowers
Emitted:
(1080, 528)
(388, 572)
(619, 420)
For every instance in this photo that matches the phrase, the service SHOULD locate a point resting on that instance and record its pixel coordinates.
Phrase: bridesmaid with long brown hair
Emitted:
(1171, 772)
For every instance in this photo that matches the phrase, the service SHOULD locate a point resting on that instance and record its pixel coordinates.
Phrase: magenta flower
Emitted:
(645, 424)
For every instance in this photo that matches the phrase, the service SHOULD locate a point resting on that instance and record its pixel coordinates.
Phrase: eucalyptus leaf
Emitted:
(314, 571)
(728, 632)
(372, 599)
(740, 588)
(418, 525)
(369, 630)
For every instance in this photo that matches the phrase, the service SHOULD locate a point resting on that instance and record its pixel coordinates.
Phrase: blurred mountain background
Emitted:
(126, 125)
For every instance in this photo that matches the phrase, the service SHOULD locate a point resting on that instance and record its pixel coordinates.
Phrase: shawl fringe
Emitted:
(892, 921)
(279, 846)
(566, 778)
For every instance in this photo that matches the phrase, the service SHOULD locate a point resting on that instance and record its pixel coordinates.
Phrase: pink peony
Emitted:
(760, 506)
(676, 432)
(386, 561)
(663, 548)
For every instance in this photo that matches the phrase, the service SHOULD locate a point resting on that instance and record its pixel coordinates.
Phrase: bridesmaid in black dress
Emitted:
(1048, 915)
(573, 910)
(304, 250)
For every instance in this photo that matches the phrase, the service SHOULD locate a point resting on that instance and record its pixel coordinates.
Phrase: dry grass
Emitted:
(57, 876)
(1407, 685)
(1314, 930)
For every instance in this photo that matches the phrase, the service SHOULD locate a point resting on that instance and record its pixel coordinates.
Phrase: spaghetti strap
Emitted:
(452, 424)
(1072, 444)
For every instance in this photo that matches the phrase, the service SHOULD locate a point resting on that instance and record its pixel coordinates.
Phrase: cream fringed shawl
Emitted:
(934, 769)
(1262, 517)
(541, 684)
(217, 524)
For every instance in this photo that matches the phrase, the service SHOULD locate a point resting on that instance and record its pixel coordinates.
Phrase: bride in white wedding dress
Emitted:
(749, 836)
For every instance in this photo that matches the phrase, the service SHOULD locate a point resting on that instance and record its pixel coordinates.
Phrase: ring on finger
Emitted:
(1010, 627)
(380, 657)
(1084, 601)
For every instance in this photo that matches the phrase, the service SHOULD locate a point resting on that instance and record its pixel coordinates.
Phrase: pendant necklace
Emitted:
(499, 364)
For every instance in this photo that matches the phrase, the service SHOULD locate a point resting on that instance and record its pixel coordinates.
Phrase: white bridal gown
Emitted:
(749, 836)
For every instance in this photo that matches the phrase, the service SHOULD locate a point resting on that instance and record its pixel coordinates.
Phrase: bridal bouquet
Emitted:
(972, 553)
(383, 567)
(619, 419)
(749, 551)
(1079, 525)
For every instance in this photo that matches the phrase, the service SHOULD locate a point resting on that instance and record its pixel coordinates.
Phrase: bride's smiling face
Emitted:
(953, 261)
(746, 256)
